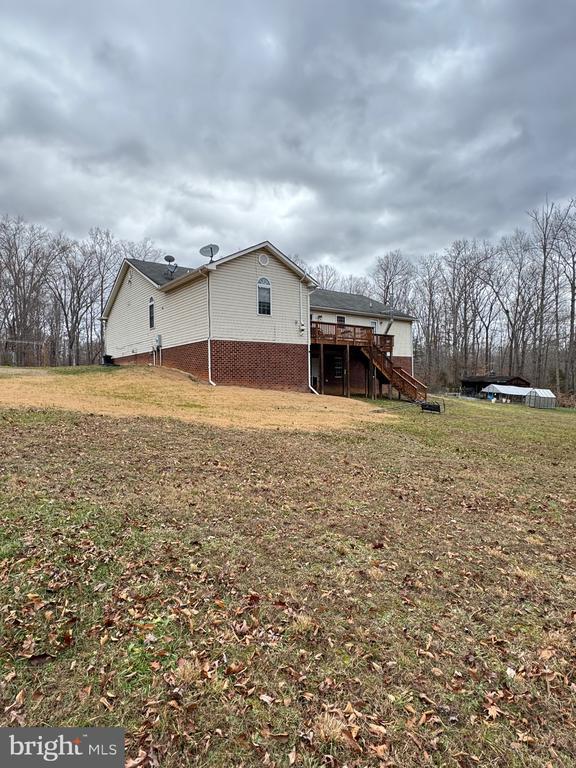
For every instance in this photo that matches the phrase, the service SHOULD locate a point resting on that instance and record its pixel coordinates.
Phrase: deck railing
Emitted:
(384, 342)
(355, 335)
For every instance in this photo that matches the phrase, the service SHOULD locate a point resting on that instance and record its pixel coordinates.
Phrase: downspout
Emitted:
(209, 332)
(307, 326)
(103, 322)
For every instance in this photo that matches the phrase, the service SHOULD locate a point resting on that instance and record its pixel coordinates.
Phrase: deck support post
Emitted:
(321, 368)
(371, 393)
(347, 370)
(368, 391)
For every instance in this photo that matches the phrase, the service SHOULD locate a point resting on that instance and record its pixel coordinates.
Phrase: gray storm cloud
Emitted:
(337, 130)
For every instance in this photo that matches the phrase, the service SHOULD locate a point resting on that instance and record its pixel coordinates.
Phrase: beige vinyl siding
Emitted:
(179, 317)
(183, 314)
(400, 329)
(233, 296)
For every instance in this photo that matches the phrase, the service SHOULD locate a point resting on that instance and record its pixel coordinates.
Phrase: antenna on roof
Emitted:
(209, 251)
(171, 261)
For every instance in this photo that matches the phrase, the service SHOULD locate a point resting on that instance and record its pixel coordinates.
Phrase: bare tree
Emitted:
(393, 277)
(356, 284)
(327, 276)
(74, 284)
(566, 246)
(547, 226)
(106, 253)
(428, 298)
(145, 250)
(25, 260)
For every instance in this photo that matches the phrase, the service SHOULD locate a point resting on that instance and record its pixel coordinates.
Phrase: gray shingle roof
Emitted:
(352, 302)
(157, 271)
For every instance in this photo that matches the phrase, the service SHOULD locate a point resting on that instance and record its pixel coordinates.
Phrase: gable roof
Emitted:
(265, 245)
(493, 378)
(542, 392)
(157, 271)
(355, 303)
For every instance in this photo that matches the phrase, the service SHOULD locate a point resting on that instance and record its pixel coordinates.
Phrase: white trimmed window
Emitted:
(264, 296)
(151, 313)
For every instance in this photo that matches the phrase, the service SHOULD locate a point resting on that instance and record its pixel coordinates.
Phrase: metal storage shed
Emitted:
(540, 398)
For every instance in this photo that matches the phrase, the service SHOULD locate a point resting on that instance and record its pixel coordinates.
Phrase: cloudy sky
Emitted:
(337, 129)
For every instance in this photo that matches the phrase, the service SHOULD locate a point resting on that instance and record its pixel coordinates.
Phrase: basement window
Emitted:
(264, 296)
(151, 313)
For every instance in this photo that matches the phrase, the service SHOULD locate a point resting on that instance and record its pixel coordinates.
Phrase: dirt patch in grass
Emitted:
(139, 391)
(401, 595)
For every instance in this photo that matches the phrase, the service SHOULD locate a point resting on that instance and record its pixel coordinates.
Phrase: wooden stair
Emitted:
(403, 382)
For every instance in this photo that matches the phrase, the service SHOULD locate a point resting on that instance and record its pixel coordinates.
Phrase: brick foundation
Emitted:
(403, 362)
(188, 357)
(143, 358)
(260, 364)
(192, 358)
(242, 363)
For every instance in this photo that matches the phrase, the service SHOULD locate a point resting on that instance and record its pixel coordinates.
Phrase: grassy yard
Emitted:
(397, 593)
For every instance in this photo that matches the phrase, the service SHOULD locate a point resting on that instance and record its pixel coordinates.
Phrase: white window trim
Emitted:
(262, 314)
(151, 303)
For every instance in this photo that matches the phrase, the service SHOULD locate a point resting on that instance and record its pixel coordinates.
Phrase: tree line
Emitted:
(507, 306)
(53, 290)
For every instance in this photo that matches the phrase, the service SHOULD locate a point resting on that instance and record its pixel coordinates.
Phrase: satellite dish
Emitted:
(169, 259)
(209, 251)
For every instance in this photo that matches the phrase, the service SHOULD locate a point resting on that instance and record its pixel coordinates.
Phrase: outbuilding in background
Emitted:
(540, 398)
(504, 393)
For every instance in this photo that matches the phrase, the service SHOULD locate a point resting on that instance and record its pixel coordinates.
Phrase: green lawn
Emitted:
(401, 595)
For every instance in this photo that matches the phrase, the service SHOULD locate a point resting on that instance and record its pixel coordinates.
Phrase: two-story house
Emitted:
(254, 318)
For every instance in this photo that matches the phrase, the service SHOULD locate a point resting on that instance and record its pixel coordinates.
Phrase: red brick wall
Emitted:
(192, 358)
(144, 358)
(256, 364)
(403, 362)
(260, 364)
(188, 357)
(244, 363)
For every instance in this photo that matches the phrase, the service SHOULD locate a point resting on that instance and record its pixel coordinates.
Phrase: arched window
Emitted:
(151, 313)
(264, 296)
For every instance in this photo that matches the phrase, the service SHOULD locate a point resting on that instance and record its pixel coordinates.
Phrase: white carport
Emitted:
(504, 392)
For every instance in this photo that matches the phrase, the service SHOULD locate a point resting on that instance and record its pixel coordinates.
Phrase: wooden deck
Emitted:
(352, 335)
